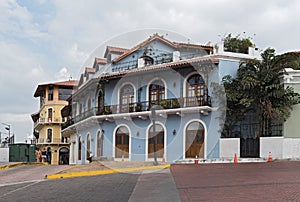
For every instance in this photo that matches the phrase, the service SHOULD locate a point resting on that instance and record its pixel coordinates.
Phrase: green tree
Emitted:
(259, 87)
(237, 44)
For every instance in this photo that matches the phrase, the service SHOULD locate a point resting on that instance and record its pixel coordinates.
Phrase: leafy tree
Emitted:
(259, 87)
(237, 44)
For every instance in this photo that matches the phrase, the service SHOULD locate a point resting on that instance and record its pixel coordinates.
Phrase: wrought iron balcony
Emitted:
(140, 107)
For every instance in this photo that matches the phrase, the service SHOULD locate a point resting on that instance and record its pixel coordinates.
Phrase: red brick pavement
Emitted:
(276, 181)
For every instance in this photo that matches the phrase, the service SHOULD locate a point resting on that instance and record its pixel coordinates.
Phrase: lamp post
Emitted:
(153, 118)
(7, 128)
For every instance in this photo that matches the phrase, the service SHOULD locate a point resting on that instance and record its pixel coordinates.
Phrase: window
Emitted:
(50, 114)
(196, 91)
(127, 97)
(50, 93)
(156, 92)
(49, 135)
(64, 93)
(100, 102)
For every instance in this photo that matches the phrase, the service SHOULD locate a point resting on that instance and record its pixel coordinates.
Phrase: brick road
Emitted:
(276, 181)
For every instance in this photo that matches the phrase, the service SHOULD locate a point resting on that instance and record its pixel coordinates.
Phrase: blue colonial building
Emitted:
(154, 98)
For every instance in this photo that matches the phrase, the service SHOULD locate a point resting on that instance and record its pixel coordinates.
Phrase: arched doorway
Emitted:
(99, 144)
(158, 138)
(79, 148)
(63, 156)
(49, 155)
(122, 142)
(194, 140)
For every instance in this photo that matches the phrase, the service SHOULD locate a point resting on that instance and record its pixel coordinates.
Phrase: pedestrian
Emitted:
(38, 155)
(90, 156)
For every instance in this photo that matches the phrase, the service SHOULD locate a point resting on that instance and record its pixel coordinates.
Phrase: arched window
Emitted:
(89, 104)
(126, 98)
(49, 135)
(100, 102)
(50, 115)
(156, 138)
(194, 139)
(79, 148)
(156, 92)
(99, 144)
(196, 92)
(122, 142)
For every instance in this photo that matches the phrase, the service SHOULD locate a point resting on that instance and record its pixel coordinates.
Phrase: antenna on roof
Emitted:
(70, 77)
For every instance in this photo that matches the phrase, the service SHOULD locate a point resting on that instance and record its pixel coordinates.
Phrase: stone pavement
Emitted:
(276, 181)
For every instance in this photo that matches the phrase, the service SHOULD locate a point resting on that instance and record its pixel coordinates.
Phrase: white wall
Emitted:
(229, 147)
(271, 144)
(4, 154)
(291, 148)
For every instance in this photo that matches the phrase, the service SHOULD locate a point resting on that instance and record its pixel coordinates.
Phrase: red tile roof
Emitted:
(162, 39)
(90, 70)
(117, 50)
(101, 61)
(42, 87)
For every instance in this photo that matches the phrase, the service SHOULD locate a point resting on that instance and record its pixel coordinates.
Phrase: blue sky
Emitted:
(43, 41)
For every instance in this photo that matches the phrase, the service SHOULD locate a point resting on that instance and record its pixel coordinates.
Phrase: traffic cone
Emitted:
(164, 159)
(270, 158)
(235, 160)
(122, 158)
(196, 160)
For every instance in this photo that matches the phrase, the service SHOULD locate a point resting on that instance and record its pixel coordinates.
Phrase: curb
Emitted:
(104, 172)
(22, 164)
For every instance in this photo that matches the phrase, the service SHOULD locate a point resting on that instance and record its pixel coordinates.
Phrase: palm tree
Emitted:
(259, 86)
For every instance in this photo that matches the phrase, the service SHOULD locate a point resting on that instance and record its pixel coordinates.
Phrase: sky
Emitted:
(43, 41)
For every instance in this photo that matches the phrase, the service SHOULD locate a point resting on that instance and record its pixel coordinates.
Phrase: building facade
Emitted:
(153, 100)
(48, 121)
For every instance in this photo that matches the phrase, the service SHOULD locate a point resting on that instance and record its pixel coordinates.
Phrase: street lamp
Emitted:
(7, 128)
(153, 118)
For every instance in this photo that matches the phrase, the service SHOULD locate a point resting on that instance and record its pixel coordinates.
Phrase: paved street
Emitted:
(276, 181)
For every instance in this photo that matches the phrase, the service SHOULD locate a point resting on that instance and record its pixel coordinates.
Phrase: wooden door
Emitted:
(159, 140)
(122, 145)
(194, 144)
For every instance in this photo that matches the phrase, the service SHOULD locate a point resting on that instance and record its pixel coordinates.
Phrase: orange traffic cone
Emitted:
(235, 160)
(196, 160)
(164, 159)
(270, 158)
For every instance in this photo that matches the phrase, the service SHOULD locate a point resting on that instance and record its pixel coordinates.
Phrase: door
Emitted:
(194, 140)
(122, 143)
(158, 139)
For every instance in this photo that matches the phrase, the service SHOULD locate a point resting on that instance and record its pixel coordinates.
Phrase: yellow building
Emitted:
(48, 121)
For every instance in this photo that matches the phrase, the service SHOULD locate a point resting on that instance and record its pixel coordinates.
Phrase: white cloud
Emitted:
(63, 74)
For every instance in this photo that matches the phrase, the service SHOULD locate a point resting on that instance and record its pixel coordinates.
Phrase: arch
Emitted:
(49, 155)
(126, 97)
(50, 114)
(49, 135)
(194, 90)
(156, 90)
(100, 138)
(100, 102)
(64, 156)
(79, 148)
(122, 142)
(162, 147)
(88, 145)
(197, 144)
(88, 104)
